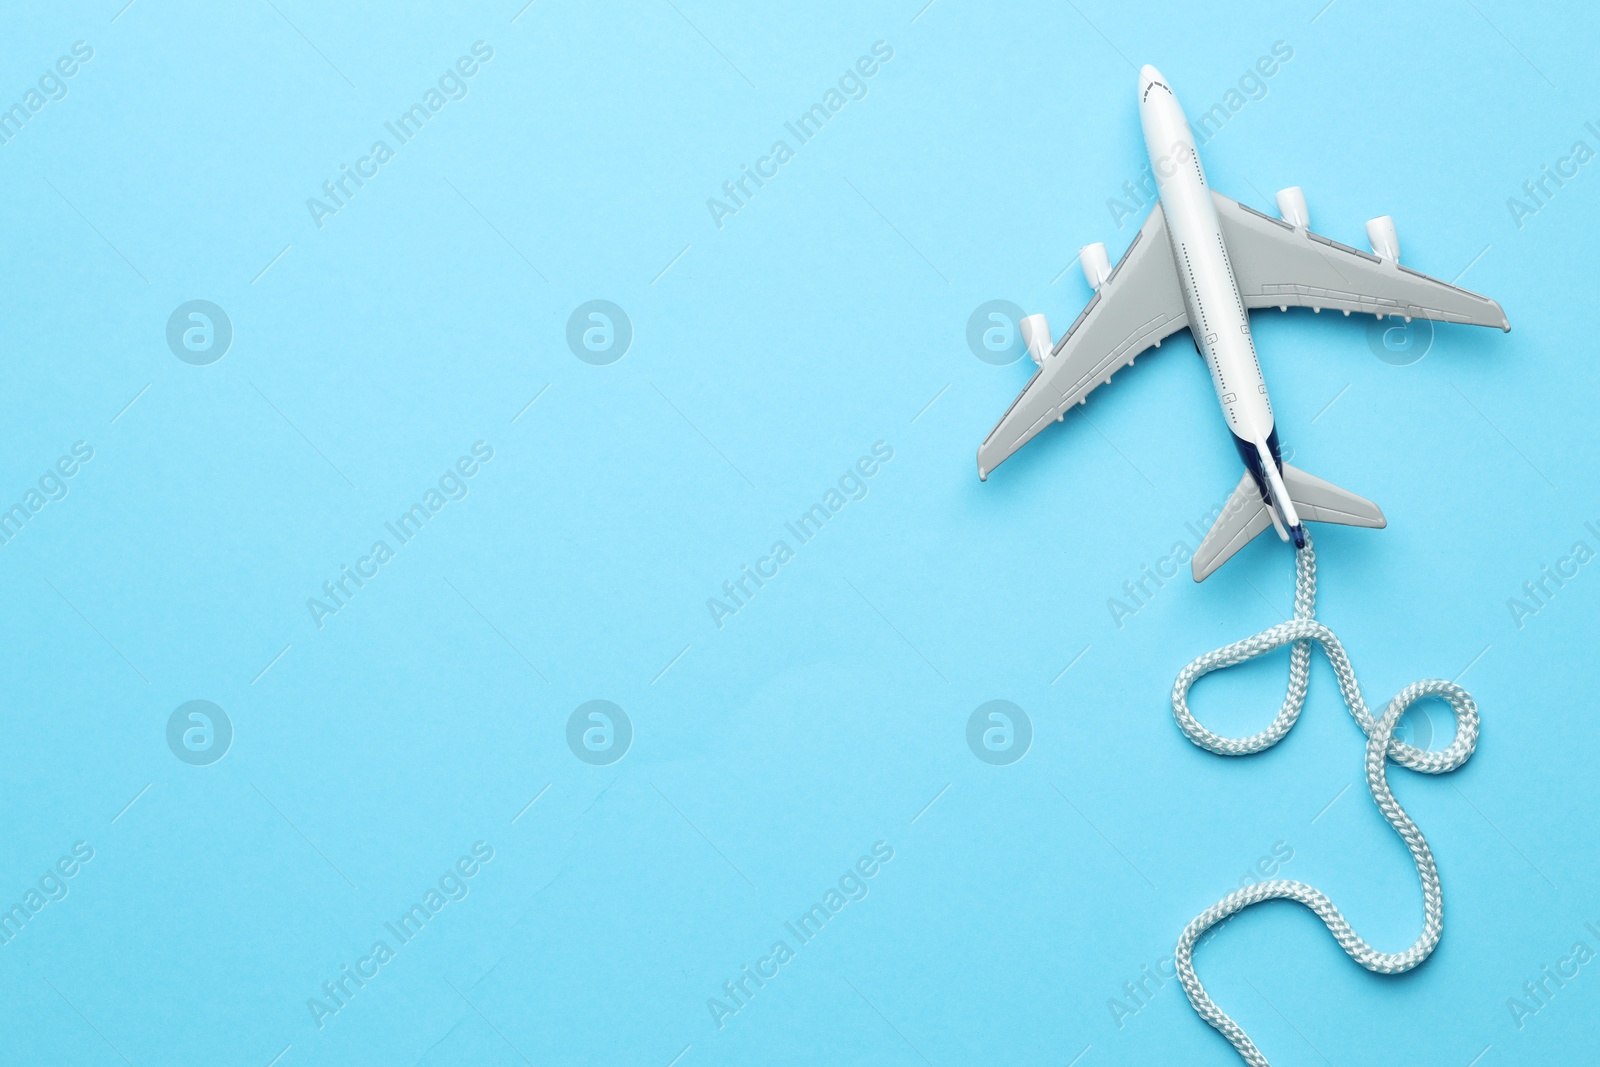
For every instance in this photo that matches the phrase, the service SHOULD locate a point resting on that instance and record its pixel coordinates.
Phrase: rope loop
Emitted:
(1382, 747)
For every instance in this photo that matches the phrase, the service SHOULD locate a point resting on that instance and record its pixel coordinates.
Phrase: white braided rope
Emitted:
(1382, 746)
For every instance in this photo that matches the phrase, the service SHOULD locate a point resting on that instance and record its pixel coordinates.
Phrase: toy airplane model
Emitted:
(1202, 261)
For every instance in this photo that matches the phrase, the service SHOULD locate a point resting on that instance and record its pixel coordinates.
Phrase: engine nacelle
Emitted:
(1385, 241)
(1036, 335)
(1096, 265)
(1292, 207)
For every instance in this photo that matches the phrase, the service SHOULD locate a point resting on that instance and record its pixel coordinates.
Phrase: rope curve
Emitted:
(1382, 746)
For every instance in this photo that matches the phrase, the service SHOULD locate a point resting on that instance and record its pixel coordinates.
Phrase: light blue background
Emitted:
(828, 314)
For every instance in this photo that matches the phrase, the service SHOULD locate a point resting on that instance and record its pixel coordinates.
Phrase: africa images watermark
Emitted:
(199, 732)
(1538, 992)
(51, 85)
(51, 486)
(599, 732)
(199, 332)
(999, 732)
(452, 485)
(737, 592)
(51, 885)
(1140, 192)
(1138, 992)
(1537, 593)
(852, 885)
(451, 85)
(1538, 192)
(453, 885)
(1137, 593)
(852, 85)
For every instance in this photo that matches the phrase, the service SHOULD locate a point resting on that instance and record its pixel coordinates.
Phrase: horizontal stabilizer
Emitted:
(1322, 501)
(1243, 516)
(1246, 514)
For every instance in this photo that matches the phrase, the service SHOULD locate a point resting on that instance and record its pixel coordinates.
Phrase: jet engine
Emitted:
(1292, 207)
(1036, 336)
(1096, 266)
(1385, 241)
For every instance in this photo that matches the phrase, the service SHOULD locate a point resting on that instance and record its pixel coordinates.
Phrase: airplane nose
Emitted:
(1148, 74)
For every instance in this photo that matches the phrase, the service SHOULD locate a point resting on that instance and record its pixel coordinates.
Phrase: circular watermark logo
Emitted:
(1415, 727)
(994, 333)
(199, 332)
(199, 732)
(599, 332)
(599, 732)
(999, 733)
(1399, 343)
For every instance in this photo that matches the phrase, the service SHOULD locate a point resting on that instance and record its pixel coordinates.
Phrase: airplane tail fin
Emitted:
(1246, 514)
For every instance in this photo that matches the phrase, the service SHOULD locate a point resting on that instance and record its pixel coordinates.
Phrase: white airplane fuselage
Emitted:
(1217, 316)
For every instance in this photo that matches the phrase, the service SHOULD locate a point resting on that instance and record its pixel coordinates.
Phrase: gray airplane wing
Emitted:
(1279, 265)
(1139, 305)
